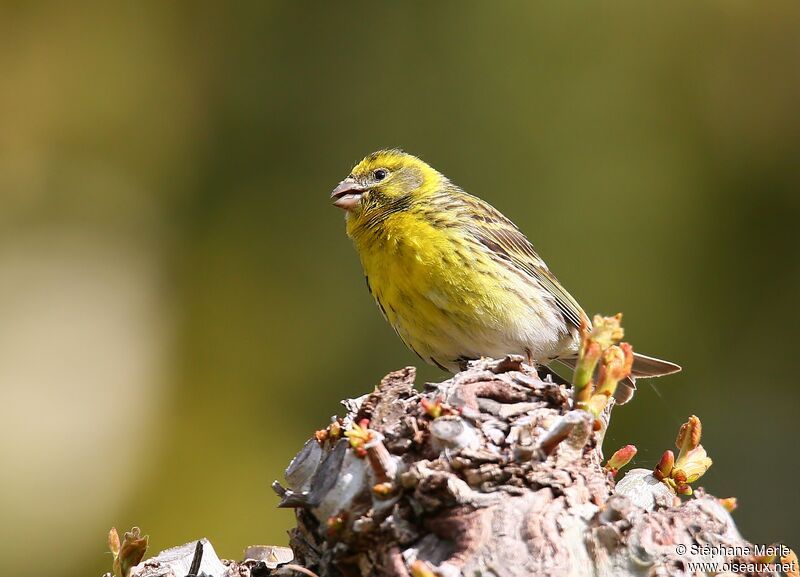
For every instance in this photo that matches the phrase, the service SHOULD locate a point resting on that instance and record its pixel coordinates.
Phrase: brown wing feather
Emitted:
(497, 233)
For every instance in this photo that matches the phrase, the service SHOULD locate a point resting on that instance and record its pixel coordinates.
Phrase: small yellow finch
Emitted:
(455, 278)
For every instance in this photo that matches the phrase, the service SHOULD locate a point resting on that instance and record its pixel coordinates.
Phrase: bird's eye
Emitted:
(380, 174)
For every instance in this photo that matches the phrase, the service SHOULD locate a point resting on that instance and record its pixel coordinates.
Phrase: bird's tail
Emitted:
(644, 367)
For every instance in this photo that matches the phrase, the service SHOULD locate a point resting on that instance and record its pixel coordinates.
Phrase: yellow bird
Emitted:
(455, 278)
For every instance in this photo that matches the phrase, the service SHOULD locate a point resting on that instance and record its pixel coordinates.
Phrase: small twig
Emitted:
(379, 459)
(560, 431)
(194, 569)
(299, 569)
(395, 564)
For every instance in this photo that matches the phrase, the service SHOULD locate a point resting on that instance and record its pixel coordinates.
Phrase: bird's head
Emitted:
(385, 180)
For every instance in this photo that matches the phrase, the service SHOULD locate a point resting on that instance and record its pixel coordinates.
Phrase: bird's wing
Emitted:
(501, 236)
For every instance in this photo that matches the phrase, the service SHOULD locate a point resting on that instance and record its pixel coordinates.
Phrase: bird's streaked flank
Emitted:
(455, 278)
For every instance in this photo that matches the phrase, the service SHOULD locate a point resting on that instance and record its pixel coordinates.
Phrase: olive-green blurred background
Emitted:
(180, 307)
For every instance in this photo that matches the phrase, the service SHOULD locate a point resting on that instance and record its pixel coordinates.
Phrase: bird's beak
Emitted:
(347, 194)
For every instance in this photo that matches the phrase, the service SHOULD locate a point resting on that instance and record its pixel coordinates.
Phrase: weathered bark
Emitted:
(506, 482)
(509, 483)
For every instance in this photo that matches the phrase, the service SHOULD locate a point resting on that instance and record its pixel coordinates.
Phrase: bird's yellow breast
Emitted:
(445, 298)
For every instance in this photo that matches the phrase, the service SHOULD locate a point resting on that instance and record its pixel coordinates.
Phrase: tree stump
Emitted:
(490, 473)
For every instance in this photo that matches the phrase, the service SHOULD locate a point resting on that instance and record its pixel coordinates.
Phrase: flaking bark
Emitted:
(507, 482)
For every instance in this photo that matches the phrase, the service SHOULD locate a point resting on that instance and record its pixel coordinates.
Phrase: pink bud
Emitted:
(664, 467)
(621, 458)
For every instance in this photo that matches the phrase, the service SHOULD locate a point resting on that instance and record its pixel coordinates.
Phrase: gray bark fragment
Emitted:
(175, 562)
